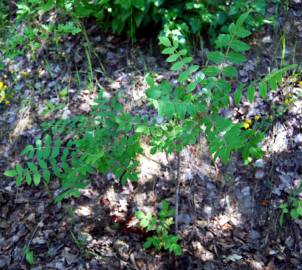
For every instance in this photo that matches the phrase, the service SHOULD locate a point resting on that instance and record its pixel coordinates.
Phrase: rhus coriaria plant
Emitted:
(108, 139)
(193, 104)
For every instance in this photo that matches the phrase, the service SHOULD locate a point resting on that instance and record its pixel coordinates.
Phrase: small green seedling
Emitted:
(28, 255)
(161, 225)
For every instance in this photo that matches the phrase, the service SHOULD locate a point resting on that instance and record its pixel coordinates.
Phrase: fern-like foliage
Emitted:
(193, 104)
(108, 139)
(102, 141)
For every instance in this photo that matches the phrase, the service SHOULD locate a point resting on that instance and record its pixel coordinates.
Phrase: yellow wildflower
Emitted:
(257, 117)
(24, 74)
(3, 87)
(247, 123)
(300, 84)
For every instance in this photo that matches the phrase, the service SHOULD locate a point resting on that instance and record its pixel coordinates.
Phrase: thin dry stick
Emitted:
(32, 236)
(177, 192)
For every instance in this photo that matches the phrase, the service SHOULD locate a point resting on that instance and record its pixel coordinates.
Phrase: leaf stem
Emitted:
(177, 192)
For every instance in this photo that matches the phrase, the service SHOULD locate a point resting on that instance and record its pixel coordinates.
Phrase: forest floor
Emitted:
(228, 215)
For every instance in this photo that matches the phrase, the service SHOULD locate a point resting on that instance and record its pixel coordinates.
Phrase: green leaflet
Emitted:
(19, 171)
(211, 71)
(239, 31)
(251, 93)
(177, 66)
(216, 57)
(263, 89)
(236, 58)
(229, 72)
(10, 173)
(239, 46)
(165, 41)
(170, 50)
(28, 177)
(36, 174)
(238, 95)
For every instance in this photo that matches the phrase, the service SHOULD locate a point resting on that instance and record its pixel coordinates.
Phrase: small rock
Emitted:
(122, 249)
(289, 242)
(254, 235)
(69, 257)
(208, 210)
(286, 180)
(298, 139)
(256, 265)
(4, 261)
(234, 257)
(54, 101)
(211, 186)
(259, 163)
(38, 241)
(184, 219)
(31, 217)
(85, 107)
(281, 141)
(259, 174)
(66, 114)
(86, 237)
(223, 219)
(201, 252)
(59, 266)
(267, 39)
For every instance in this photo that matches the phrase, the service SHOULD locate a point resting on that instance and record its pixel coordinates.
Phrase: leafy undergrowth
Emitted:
(227, 215)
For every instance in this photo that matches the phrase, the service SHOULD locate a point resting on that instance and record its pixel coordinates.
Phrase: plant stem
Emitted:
(32, 236)
(177, 192)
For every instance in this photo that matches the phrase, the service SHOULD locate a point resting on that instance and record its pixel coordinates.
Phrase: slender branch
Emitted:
(155, 161)
(177, 192)
(32, 236)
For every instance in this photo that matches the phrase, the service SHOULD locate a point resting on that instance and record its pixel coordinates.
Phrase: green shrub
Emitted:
(173, 17)
(108, 139)
(161, 226)
(293, 207)
(102, 141)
